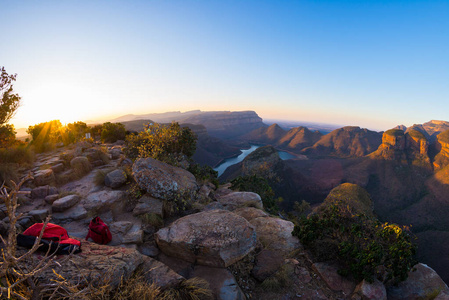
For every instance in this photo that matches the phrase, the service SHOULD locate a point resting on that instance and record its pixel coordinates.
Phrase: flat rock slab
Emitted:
(250, 213)
(95, 263)
(38, 215)
(236, 200)
(105, 200)
(336, 282)
(162, 180)
(216, 238)
(276, 234)
(419, 285)
(267, 263)
(159, 273)
(44, 177)
(65, 203)
(75, 213)
(221, 282)
(371, 291)
(149, 205)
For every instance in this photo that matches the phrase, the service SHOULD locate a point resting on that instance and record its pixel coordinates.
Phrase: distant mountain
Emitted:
(293, 140)
(430, 129)
(350, 141)
(312, 126)
(221, 124)
(209, 150)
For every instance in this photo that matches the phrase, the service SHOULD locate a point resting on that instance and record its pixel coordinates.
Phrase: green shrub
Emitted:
(19, 154)
(152, 219)
(204, 173)
(361, 244)
(112, 132)
(45, 135)
(259, 185)
(171, 144)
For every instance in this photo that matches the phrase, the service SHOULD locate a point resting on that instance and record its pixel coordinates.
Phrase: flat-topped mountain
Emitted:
(222, 124)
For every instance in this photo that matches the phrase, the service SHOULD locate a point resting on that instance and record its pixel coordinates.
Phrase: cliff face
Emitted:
(409, 148)
(348, 141)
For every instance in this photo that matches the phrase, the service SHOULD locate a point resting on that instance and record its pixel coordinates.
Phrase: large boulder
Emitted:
(235, 200)
(162, 180)
(420, 284)
(115, 179)
(276, 234)
(216, 238)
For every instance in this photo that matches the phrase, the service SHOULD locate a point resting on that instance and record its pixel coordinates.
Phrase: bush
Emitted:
(365, 248)
(45, 135)
(204, 173)
(7, 135)
(260, 186)
(74, 132)
(19, 154)
(171, 144)
(112, 132)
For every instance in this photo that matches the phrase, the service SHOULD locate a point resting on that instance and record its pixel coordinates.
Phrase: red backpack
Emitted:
(54, 237)
(99, 231)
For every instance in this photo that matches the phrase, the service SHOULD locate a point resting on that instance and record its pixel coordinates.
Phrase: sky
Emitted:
(374, 64)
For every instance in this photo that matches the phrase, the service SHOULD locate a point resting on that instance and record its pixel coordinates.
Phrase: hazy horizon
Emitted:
(375, 64)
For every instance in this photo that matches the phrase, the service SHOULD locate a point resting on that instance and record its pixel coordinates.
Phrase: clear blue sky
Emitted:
(375, 64)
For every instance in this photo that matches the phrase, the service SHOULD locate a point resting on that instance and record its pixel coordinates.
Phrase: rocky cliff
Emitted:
(293, 140)
(350, 141)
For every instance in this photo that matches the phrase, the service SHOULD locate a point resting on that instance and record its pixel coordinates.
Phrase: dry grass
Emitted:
(152, 219)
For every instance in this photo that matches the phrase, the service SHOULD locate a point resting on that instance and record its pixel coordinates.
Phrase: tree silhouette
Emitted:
(9, 101)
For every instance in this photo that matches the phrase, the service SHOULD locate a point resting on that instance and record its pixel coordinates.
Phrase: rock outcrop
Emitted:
(350, 141)
(216, 238)
(161, 180)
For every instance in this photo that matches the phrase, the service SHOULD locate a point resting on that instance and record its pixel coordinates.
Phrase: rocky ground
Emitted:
(224, 236)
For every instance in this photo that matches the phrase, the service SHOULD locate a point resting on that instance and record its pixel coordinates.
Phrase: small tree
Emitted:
(45, 135)
(74, 132)
(112, 132)
(169, 143)
(9, 101)
(18, 282)
(7, 135)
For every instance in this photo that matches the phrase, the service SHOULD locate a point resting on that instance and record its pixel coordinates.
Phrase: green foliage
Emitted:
(178, 203)
(395, 132)
(152, 219)
(45, 135)
(362, 244)
(7, 135)
(416, 134)
(96, 131)
(9, 102)
(260, 186)
(112, 132)
(18, 154)
(204, 173)
(168, 143)
(444, 136)
(74, 132)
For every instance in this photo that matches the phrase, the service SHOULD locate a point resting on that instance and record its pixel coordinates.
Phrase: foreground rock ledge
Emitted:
(216, 238)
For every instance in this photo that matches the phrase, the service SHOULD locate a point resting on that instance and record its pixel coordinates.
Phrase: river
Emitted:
(245, 152)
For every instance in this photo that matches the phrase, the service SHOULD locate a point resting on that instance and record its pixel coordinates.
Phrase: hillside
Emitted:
(350, 141)
(293, 140)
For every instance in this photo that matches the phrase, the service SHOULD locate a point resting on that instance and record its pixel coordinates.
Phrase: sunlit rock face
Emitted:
(216, 238)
